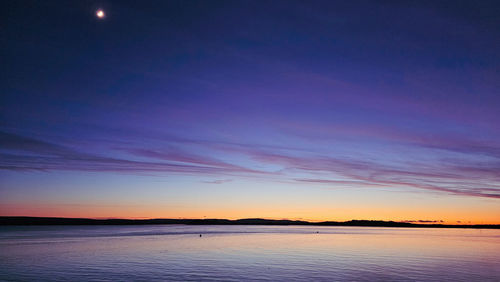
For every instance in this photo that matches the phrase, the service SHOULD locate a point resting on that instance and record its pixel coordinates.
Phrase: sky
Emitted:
(312, 110)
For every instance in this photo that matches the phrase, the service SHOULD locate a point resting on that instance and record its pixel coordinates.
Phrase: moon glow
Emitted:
(100, 14)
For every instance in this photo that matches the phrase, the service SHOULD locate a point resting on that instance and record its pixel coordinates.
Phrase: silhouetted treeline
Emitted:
(21, 220)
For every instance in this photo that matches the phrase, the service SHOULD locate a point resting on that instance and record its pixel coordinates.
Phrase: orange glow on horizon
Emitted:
(339, 214)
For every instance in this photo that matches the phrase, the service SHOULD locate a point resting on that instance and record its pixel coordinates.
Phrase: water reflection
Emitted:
(248, 252)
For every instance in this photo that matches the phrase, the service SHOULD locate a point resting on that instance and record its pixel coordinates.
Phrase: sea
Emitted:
(247, 253)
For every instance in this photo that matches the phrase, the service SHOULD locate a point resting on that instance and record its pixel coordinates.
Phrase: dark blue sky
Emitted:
(210, 105)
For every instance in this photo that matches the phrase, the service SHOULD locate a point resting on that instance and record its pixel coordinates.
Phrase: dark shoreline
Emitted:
(24, 220)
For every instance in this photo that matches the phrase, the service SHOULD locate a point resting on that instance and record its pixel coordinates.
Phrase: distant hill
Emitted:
(24, 220)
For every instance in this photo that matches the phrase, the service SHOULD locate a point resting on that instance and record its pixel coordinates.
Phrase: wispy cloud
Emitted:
(179, 156)
(458, 177)
(217, 181)
(423, 221)
(453, 142)
(24, 153)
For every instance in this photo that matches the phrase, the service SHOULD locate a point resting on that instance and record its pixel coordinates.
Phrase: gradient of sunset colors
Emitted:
(313, 110)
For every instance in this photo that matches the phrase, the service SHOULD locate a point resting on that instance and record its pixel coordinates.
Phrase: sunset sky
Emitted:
(313, 110)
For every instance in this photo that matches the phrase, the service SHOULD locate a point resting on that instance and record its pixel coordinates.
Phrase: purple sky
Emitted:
(332, 103)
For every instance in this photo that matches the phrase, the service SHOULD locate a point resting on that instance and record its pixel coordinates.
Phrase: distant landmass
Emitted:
(24, 220)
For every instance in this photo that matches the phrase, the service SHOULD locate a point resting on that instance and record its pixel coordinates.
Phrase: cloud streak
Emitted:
(218, 181)
(466, 178)
(24, 153)
(456, 179)
(423, 221)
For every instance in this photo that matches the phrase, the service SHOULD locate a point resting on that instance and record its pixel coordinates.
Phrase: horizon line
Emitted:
(37, 220)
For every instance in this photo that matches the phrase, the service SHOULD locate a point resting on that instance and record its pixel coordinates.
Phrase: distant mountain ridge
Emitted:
(26, 220)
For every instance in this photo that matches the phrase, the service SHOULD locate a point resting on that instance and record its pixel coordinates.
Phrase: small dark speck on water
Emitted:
(200, 235)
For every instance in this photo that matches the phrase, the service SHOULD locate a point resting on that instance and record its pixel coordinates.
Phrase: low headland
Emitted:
(25, 220)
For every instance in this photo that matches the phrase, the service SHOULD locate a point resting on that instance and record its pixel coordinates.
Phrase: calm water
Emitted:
(232, 253)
